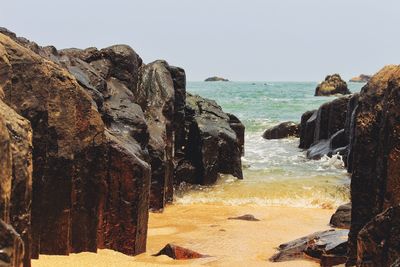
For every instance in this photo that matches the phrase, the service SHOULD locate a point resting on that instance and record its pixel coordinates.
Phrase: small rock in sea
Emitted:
(179, 253)
(283, 130)
(332, 85)
(246, 217)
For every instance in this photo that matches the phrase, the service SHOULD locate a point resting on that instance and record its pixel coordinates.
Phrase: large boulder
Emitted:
(375, 151)
(212, 146)
(307, 128)
(342, 217)
(332, 85)
(282, 130)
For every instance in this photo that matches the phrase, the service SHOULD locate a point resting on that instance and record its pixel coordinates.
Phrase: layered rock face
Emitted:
(332, 85)
(107, 133)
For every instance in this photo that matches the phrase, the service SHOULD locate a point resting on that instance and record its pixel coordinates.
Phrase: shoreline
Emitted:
(206, 229)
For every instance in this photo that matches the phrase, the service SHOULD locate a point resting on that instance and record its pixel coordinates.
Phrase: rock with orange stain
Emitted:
(179, 253)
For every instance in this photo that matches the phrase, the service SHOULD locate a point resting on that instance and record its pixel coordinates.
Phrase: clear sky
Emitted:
(253, 40)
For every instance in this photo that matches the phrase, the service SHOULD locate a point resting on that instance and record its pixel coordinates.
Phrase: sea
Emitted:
(276, 172)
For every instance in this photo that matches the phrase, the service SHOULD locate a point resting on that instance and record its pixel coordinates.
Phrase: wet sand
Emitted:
(206, 229)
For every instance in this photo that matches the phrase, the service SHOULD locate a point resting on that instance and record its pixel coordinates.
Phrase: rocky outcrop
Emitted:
(283, 130)
(332, 85)
(216, 79)
(211, 147)
(108, 132)
(102, 199)
(325, 245)
(375, 152)
(362, 78)
(307, 128)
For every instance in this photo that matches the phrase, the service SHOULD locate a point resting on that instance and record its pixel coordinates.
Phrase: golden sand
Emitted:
(206, 229)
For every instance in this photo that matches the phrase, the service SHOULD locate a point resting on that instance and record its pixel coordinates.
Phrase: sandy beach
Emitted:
(206, 229)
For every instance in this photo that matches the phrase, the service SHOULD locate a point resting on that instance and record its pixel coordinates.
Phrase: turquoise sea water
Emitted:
(276, 172)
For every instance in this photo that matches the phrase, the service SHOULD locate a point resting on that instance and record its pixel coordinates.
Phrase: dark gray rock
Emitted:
(342, 217)
(282, 130)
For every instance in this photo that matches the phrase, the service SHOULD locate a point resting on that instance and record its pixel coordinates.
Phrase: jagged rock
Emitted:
(332, 85)
(179, 253)
(212, 146)
(11, 246)
(342, 217)
(362, 78)
(375, 152)
(349, 129)
(378, 241)
(216, 79)
(283, 130)
(307, 128)
(246, 217)
(319, 244)
(239, 129)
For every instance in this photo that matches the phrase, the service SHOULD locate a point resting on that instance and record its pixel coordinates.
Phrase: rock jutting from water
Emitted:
(90, 140)
(216, 79)
(282, 130)
(362, 78)
(332, 85)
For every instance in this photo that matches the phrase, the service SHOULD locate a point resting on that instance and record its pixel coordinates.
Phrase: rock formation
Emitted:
(283, 130)
(107, 133)
(342, 217)
(371, 137)
(211, 146)
(216, 79)
(179, 253)
(332, 85)
(362, 78)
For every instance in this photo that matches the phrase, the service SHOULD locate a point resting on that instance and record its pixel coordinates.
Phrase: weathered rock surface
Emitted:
(216, 79)
(317, 245)
(375, 152)
(11, 247)
(283, 130)
(332, 85)
(16, 206)
(378, 242)
(307, 128)
(179, 253)
(342, 217)
(102, 198)
(211, 147)
(362, 78)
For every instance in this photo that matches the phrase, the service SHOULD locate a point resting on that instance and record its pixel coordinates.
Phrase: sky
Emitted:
(252, 40)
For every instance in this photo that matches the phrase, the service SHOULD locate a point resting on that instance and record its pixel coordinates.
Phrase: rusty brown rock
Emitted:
(179, 253)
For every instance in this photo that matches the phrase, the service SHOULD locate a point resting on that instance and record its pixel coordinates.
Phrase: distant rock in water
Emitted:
(363, 78)
(283, 130)
(332, 85)
(216, 79)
